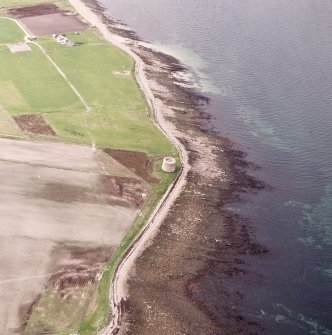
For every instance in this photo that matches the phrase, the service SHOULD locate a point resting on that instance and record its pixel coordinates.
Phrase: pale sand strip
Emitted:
(119, 282)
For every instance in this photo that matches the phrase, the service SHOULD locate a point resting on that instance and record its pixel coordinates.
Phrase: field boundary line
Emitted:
(63, 75)
(88, 108)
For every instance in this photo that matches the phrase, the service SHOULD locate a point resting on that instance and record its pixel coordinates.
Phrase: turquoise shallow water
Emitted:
(267, 67)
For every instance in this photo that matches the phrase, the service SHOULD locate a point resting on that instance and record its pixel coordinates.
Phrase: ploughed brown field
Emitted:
(61, 205)
(34, 124)
(47, 18)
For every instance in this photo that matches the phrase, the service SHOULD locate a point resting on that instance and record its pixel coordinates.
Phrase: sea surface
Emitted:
(266, 65)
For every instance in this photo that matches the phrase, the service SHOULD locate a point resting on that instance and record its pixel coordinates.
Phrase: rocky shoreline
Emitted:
(180, 283)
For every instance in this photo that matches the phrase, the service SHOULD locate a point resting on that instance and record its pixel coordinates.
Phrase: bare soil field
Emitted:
(47, 18)
(40, 9)
(63, 207)
(53, 24)
(34, 124)
(139, 162)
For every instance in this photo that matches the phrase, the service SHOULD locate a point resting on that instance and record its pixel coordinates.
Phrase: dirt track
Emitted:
(53, 196)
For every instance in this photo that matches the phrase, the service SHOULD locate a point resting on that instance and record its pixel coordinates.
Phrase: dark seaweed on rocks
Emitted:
(116, 26)
(183, 283)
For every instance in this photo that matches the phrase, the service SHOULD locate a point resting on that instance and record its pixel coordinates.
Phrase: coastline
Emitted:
(146, 281)
(118, 291)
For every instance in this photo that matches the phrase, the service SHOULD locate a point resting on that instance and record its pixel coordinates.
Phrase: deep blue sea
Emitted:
(267, 67)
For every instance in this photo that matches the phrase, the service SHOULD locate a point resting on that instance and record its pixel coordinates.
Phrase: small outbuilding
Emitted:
(169, 164)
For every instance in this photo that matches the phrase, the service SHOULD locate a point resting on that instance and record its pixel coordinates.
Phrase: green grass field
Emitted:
(30, 84)
(9, 32)
(119, 115)
(7, 124)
